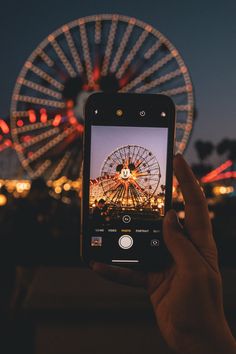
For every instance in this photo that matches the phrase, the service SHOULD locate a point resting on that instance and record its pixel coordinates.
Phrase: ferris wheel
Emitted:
(95, 53)
(130, 176)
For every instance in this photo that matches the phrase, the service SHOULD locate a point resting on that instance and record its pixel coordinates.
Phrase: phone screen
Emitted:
(127, 184)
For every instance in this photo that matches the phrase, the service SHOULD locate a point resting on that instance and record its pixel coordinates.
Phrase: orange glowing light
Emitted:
(3, 200)
(4, 126)
(43, 115)
(57, 120)
(32, 116)
(20, 123)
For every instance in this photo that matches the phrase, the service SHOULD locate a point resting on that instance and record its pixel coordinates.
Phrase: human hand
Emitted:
(186, 298)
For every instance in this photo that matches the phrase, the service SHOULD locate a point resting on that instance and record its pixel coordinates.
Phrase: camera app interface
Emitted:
(127, 183)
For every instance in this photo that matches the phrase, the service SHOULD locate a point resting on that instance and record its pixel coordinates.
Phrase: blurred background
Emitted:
(53, 56)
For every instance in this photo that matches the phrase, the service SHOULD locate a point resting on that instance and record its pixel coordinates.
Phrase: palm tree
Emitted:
(227, 146)
(204, 149)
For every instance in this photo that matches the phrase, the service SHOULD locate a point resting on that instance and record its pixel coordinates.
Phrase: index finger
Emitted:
(197, 221)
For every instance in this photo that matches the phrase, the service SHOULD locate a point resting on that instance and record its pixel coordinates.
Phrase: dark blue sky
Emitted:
(203, 31)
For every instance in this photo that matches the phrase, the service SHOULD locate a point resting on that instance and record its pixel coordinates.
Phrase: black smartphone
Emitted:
(127, 179)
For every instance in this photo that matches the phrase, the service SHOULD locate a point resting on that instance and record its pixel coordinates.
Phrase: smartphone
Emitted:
(127, 179)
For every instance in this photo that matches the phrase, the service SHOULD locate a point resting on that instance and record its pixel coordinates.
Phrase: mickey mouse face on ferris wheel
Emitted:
(95, 53)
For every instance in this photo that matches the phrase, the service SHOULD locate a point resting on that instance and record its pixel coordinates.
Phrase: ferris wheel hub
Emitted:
(125, 173)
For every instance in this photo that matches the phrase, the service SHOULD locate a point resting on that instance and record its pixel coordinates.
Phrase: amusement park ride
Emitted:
(96, 53)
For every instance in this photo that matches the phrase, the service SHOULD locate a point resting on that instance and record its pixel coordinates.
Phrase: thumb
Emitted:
(182, 250)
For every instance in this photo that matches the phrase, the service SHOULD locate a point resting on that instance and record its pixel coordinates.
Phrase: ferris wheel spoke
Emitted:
(135, 154)
(47, 60)
(40, 137)
(175, 91)
(114, 161)
(20, 114)
(39, 72)
(151, 162)
(160, 80)
(109, 46)
(183, 108)
(61, 55)
(114, 192)
(118, 194)
(154, 48)
(48, 146)
(132, 54)
(122, 46)
(73, 49)
(119, 158)
(86, 52)
(39, 101)
(141, 174)
(60, 165)
(155, 67)
(180, 126)
(98, 30)
(136, 195)
(40, 88)
(32, 127)
(40, 170)
(124, 152)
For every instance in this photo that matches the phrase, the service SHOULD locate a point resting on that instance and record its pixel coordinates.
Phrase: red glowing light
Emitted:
(1, 137)
(43, 115)
(80, 128)
(70, 113)
(57, 120)
(32, 116)
(26, 138)
(20, 123)
(225, 175)
(211, 176)
(8, 142)
(70, 104)
(86, 87)
(4, 126)
(30, 153)
(124, 80)
(73, 120)
(96, 73)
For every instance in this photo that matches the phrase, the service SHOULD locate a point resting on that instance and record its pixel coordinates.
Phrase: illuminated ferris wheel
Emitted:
(95, 53)
(130, 176)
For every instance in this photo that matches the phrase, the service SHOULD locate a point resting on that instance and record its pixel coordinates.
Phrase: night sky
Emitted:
(203, 31)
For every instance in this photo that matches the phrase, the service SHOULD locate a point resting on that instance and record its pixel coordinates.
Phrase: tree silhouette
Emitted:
(204, 149)
(228, 147)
